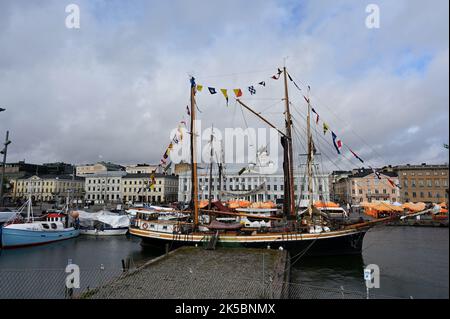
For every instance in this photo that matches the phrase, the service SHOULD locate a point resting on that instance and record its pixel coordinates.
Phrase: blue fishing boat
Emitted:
(29, 232)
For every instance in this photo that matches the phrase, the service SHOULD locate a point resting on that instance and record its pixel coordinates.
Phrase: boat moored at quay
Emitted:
(55, 226)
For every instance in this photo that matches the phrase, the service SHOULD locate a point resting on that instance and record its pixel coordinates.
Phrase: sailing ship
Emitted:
(56, 226)
(307, 231)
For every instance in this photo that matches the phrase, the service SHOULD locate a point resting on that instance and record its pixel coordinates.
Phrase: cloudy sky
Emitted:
(113, 89)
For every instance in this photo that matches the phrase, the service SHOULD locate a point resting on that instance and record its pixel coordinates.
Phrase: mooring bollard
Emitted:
(167, 249)
(126, 263)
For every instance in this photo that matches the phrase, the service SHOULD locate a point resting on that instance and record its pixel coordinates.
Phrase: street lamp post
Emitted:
(4, 152)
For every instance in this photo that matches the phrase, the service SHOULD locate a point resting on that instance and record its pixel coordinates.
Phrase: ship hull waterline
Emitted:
(348, 242)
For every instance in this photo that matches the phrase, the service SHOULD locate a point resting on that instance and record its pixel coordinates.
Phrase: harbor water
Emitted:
(413, 263)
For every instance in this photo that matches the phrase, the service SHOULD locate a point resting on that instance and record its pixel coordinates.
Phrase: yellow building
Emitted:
(362, 185)
(48, 187)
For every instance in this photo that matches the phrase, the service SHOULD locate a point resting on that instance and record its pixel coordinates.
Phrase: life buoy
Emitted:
(144, 225)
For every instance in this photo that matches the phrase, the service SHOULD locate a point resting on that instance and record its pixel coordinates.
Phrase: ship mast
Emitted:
(210, 171)
(194, 186)
(309, 158)
(289, 199)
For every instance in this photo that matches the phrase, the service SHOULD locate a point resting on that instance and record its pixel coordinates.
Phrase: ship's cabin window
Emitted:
(45, 226)
(53, 225)
(152, 226)
(164, 227)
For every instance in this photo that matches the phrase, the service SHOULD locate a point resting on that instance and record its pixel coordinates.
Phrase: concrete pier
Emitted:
(195, 273)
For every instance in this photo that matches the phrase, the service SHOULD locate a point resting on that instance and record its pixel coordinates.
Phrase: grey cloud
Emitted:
(117, 86)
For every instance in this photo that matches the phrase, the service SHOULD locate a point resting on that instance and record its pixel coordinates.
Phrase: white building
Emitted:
(106, 186)
(253, 187)
(136, 188)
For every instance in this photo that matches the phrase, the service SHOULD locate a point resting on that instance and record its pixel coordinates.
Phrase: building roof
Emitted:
(363, 172)
(53, 176)
(106, 174)
(421, 166)
(141, 175)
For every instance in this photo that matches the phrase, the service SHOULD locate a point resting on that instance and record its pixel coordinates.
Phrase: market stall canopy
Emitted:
(325, 205)
(414, 207)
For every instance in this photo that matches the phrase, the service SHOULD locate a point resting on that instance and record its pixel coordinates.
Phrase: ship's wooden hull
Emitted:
(344, 242)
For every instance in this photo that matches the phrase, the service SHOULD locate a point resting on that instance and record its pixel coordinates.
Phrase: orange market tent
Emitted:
(325, 204)
(203, 204)
(238, 204)
(374, 209)
(268, 204)
(417, 207)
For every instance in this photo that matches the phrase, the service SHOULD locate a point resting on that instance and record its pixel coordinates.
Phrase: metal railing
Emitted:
(118, 283)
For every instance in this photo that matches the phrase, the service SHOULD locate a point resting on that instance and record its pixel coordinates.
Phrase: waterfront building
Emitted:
(253, 187)
(422, 183)
(362, 185)
(104, 187)
(21, 169)
(136, 188)
(336, 189)
(58, 168)
(48, 187)
(100, 167)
